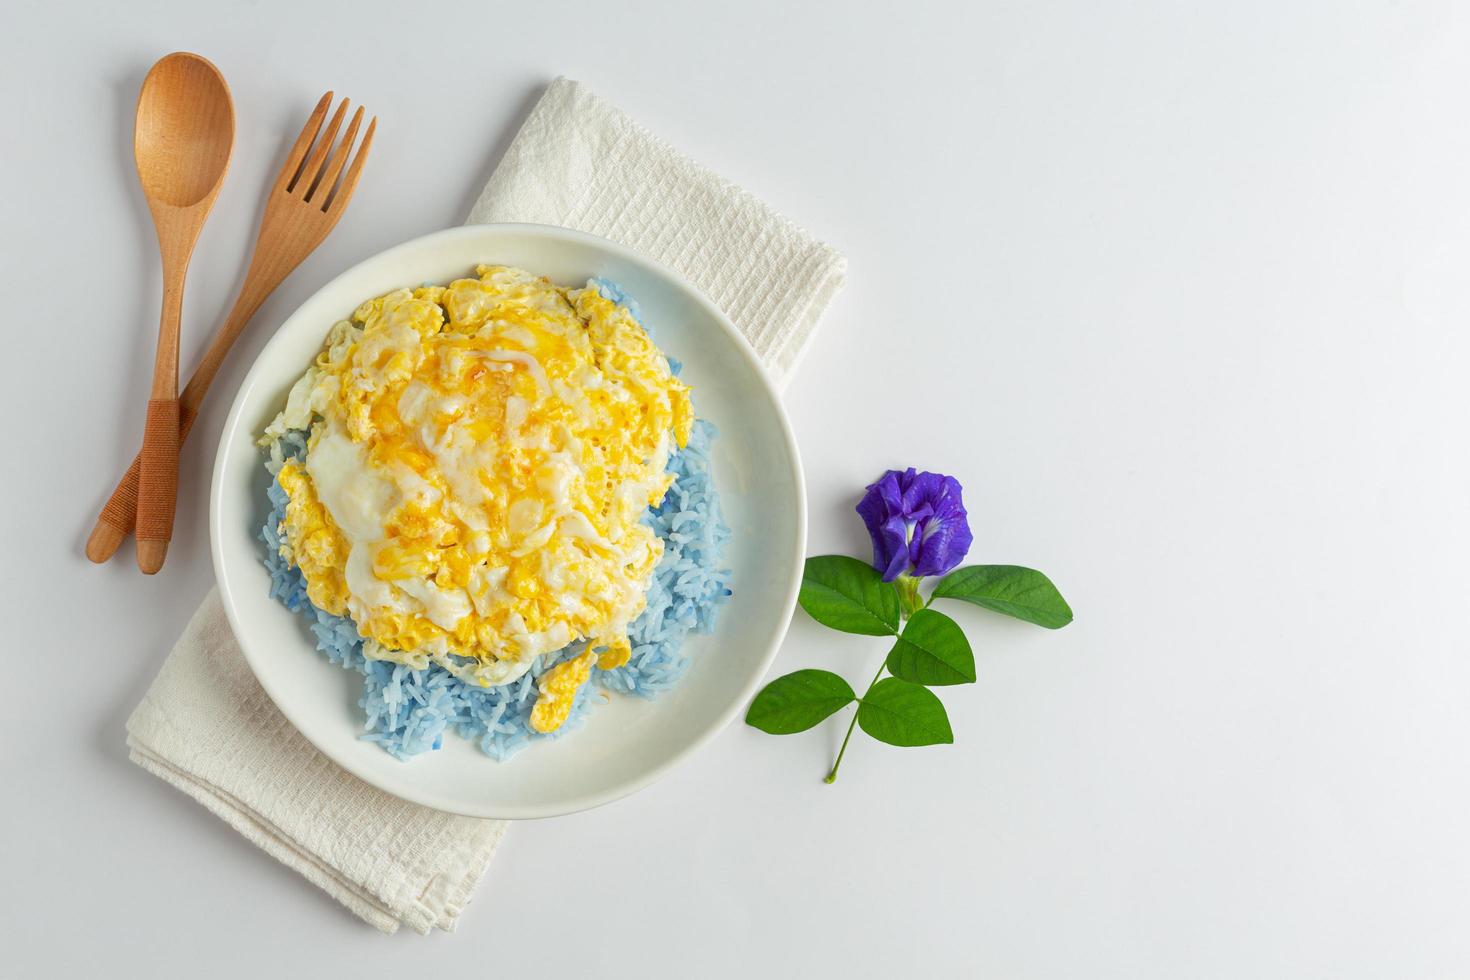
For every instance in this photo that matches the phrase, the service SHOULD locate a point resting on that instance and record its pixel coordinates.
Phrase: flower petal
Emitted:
(916, 520)
(943, 545)
(946, 536)
(881, 510)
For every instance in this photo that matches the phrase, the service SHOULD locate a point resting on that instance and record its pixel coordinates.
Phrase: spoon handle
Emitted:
(158, 474)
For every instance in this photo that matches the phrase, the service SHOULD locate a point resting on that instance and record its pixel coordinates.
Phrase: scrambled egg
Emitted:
(558, 691)
(480, 459)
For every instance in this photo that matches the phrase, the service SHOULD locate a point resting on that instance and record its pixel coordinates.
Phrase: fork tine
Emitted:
(291, 171)
(311, 169)
(334, 166)
(340, 196)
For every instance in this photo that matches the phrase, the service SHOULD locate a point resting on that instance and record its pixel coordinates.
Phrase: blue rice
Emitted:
(408, 711)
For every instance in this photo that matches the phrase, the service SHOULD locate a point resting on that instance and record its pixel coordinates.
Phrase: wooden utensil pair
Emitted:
(185, 132)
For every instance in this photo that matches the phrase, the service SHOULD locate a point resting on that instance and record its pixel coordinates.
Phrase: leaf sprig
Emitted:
(929, 649)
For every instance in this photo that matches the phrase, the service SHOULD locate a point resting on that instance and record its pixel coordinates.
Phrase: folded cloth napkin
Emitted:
(206, 725)
(581, 163)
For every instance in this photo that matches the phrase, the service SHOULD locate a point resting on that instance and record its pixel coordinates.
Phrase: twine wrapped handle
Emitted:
(158, 483)
(119, 517)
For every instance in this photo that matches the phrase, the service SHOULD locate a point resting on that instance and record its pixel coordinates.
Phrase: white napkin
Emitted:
(207, 727)
(582, 163)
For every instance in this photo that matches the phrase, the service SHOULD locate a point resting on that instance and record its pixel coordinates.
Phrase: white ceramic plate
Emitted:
(626, 743)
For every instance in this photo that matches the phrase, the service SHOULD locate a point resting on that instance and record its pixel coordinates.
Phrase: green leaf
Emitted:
(900, 713)
(932, 651)
(1023, 593)
(798, 701)
(849, 595)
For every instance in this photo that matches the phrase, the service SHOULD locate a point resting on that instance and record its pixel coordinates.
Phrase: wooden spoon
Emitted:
(182, 141)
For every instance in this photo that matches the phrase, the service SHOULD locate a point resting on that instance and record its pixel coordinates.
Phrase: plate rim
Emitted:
(718, 723)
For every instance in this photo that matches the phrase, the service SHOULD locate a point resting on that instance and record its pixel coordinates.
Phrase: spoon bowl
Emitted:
(184, 131)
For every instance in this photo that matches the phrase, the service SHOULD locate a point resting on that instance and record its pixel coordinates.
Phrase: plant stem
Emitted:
(832, 776)
(908, 595)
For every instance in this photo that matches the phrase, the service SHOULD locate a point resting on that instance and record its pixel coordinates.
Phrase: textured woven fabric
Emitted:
(207, 727)
(581, 163)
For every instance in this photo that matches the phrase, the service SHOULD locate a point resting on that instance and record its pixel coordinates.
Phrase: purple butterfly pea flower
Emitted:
(917, 521)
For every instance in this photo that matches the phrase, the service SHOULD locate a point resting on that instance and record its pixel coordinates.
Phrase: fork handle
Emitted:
(158, 483)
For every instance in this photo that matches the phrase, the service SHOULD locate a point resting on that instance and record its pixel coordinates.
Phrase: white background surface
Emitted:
(1178, 291)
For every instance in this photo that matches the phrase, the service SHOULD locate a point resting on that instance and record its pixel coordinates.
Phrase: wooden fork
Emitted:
(303, 206)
